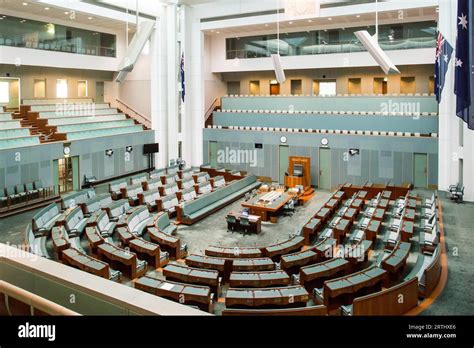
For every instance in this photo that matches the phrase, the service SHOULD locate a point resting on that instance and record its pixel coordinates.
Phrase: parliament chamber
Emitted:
(235, 158)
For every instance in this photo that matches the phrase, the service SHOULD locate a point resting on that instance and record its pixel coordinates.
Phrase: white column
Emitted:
(172, 81)
(159, 100)
(448, 150)
(193, 119)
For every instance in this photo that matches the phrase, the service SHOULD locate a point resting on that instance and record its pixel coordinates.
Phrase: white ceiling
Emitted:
(34, 8)
(409, 15)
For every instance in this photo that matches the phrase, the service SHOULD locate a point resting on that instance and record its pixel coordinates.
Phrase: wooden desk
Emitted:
(253, 265)
(372, 230)
(185, 274)
(291, 296)
(341, 229)
(233, 252)
(396, 261)
(325, 249)
(167, 243)
(86, 263)
(148, 251)
(275, 251)
(124, 260)
(313, 276)
(323, 214)
(254, 220)
(291, 263)
(267, 211)
(342, 291)
(207, 262)
(351, 214)
(311, 227)
(259, 279)
(194, 295)
(407, 230)
(332, 204)
(293, 181)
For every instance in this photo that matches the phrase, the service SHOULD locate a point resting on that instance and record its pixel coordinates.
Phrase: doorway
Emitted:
(274, 88)
(66, 176)
(254, 87)
(213, 154)
(99, 92)
(420, 170)
(380, 85)
(283, 163)
(324, 168)
(10, 93)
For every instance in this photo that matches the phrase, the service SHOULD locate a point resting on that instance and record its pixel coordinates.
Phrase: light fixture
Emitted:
(46, 8)
(109, 152)
(310, 20)
(291, 22)
(25, 4)
(276, 59)
(372, 46)
(66, 12)
(266, 24)
(330, 19)
(129, 149)
(89, 18)
(354, 152)
(358, 16)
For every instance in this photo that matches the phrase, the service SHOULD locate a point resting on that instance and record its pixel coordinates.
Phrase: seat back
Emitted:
(20, 188)
(74, 218)
(45, 215)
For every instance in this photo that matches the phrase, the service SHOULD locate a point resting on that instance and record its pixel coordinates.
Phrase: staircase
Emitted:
(35, 129)
(129, 112)
(215, 106)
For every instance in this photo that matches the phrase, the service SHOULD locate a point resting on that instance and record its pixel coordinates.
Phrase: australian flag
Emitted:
(183, 89)
(444, 52)
(464, 78)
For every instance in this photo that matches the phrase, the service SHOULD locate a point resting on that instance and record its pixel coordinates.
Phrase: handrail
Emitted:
(134, 114)
(215, 104)
(34, 300)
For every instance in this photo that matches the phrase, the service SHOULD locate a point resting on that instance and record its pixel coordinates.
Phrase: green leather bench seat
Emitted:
(5, 116)
(84, 126)
(69, 108)
(76, 198)
(164, 225)
(75, 223)
(19, 142)
(104, 132)
(50, 101)
(79, 113)
(209, 202)
(45, 219)
(70, 120)
(9, 124)
(13, 133)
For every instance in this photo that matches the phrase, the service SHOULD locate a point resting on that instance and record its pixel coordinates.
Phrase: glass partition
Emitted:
(391, 37)
(18, 32)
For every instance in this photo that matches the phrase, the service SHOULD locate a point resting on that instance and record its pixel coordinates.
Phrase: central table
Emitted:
(267, 210)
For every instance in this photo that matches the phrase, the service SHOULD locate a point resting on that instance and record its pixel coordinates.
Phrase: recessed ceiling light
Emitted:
(329, 19)
(90, 18)
(266, 25)
(291, 22)
(66, 13)
(25, 4)
(46, 8)
(310, 21)
(217, 32)
(358, 16)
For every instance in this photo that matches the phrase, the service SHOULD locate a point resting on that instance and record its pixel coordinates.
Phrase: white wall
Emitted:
(213, 85)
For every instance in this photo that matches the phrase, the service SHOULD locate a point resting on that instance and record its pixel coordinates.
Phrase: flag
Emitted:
(183, 90)
(444, 52)
(464, 78)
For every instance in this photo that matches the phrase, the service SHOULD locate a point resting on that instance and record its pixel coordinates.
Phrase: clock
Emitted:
(324, 141)
(283, 139)
(66, 150)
